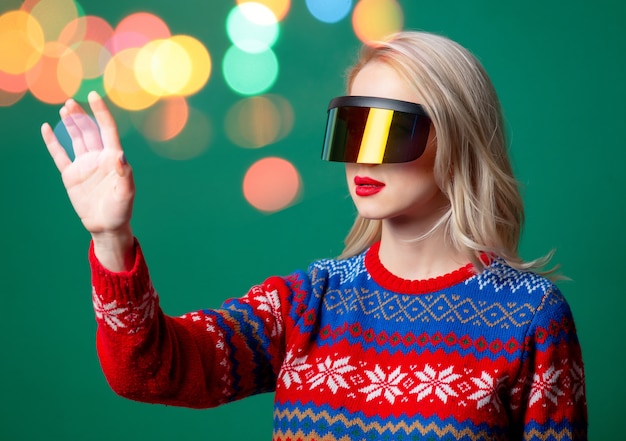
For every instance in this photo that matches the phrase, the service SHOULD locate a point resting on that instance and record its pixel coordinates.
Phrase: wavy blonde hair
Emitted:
(472, 166)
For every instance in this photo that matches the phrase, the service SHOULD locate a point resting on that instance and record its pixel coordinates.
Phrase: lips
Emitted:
(366, 186)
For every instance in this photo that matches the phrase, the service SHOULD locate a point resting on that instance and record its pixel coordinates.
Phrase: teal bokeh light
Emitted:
(329, 11)
(252, 27)
(247, 73)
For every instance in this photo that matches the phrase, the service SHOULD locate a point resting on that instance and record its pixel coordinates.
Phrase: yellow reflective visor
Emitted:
(372, 130)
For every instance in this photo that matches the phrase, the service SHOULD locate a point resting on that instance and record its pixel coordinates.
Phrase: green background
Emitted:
(559, 68)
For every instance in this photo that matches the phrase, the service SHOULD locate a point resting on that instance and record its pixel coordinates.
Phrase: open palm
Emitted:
(99, 182)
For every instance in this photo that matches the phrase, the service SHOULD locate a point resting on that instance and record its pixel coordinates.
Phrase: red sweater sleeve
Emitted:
(201, 359)
(549, 397)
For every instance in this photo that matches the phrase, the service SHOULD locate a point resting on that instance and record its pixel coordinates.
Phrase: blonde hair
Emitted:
(472, 167)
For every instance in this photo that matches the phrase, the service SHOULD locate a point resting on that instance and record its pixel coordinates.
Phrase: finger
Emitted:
(56, 150)
(74, 132)
(108, 128)
(90, 133)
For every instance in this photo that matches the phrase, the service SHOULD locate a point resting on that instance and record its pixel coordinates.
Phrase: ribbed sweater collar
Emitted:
(391, 282)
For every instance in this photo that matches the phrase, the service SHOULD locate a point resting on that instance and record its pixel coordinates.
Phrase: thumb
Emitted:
(121, 165)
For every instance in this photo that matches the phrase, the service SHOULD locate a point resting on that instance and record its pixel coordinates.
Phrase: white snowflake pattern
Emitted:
(578, 381)
(270, 302)
(292, 368)
(437, 382)
(488, 391)
(386, 385)
(110, 312)
(331, 373)
(545, 385)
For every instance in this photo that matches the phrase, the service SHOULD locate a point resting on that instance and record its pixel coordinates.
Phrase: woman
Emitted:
(429, 325)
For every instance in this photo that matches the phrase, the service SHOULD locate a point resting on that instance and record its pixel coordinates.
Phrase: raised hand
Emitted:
(99, 182)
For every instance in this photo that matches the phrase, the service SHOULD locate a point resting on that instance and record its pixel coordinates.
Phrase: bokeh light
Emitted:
(163, 121)
(329, 11)
(52, 15)
(271, 184)
(137, 30)
(252, 27)
(9, 98)
(259, 121)
(280, 8)
(238, 65)
(121, 85)
(21, 42)
(373, 20)
(57, 75)
(191, 142)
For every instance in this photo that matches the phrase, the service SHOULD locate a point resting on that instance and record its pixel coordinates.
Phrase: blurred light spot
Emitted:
(137, 30)
(329, 11)
(162, 67)
(86, 28)
(13, 83)
(191, 142)
(9, 98)
(53, 15)
(121, 83)
(93, 57)
(280, 8)
(163, 121)
(200, 67)
(252, 27)
(21, 42)
(271, 184)
(64, 138)
(374, 20)
(249, 74)
(259, 121)
(57, 76)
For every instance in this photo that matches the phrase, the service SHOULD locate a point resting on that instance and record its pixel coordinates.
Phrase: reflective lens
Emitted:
(373, 130)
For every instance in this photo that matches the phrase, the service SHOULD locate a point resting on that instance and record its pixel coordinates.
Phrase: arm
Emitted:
(202, 359)
(550, 392)
(99, 181)
(198, 360)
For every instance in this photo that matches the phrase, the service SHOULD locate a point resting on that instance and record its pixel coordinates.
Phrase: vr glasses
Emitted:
(370, 130)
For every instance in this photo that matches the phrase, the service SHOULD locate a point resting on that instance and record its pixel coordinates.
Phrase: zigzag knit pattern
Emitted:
(354, 353)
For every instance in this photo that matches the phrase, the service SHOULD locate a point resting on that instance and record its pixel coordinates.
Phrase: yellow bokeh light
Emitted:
(120, 82)
(21, 42)
(201, 64)
(374, 20)
(53, 15)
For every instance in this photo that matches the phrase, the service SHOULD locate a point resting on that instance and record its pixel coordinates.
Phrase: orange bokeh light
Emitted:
(374, 20)
(271, 184)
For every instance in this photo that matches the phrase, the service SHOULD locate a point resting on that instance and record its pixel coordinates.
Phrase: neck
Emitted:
(414, 251)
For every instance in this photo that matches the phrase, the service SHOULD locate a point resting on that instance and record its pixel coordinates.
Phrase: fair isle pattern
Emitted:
(127, 317)
(442, 307)
(306, 425)
(499, 276)
(354, 356)
(347, 270)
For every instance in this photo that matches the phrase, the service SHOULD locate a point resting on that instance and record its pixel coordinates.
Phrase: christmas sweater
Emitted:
(352, 352)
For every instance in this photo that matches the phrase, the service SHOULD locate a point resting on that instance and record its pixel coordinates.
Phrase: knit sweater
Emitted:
(352, 352)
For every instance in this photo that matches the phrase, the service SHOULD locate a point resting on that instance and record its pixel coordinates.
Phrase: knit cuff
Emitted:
(127, 286)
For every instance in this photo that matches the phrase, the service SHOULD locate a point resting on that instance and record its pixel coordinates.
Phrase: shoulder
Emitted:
(339, 270)
(524, 291)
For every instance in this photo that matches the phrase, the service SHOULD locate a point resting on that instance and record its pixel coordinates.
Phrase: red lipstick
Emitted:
(366, 186)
